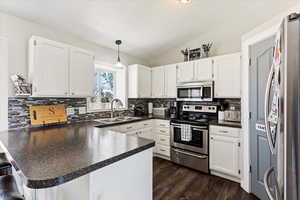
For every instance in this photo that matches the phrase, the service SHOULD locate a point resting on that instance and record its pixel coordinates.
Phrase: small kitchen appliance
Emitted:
(195, 91)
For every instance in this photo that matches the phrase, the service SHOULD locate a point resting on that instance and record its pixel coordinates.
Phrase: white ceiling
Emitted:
(148, 28)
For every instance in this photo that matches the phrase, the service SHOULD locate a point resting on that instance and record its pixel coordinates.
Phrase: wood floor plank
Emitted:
(174, 182)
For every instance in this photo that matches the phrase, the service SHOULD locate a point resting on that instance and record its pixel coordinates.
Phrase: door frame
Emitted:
(248, 40)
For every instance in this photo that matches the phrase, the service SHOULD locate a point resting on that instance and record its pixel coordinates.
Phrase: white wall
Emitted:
(225, 40)
(258, 34)
(18, 31)
(3, 84)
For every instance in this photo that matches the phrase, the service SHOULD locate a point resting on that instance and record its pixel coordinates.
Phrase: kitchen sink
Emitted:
(117, 120)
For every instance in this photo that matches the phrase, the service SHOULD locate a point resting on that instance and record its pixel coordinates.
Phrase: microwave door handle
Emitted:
(266, 108)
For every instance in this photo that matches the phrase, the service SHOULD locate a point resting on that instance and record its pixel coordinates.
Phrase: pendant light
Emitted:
(118, 43)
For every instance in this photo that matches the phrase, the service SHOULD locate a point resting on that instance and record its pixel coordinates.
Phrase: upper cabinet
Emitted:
(199, 70)
(48, 67)
(139, 81)
(164, 81)
(185, 72)
(81, 72)
(227, 71)
(59, 70)
(203, 69)
(170, 81)
(158, 82)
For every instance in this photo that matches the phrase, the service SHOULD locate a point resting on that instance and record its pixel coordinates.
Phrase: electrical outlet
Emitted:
(70, 111)
(82, 110)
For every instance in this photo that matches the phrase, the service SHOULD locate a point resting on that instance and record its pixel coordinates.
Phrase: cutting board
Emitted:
(42, 115)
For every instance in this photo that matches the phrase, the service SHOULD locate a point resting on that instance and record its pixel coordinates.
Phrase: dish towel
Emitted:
(186, 133)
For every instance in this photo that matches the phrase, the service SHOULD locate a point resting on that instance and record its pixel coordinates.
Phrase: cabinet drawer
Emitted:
(225, 131)
(162, 123)
(163, 140)
(163, 150)
(146, 124)
(163, 131)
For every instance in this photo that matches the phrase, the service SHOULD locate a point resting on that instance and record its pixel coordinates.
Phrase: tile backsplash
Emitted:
(18, 110)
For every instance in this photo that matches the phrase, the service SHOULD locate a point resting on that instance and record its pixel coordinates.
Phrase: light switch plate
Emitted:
(82, 110)
(70, 111)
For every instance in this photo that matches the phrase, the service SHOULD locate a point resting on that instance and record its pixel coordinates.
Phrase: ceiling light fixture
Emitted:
(185, 1)
(119, 64)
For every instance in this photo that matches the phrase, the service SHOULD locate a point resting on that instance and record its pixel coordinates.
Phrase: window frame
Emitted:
(110, 68)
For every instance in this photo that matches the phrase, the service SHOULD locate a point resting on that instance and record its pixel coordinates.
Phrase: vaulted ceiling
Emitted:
(148, 28)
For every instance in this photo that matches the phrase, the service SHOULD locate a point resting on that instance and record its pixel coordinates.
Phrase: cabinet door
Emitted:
(144, 82)
(146, 133)
(185, 72)
(227, 76)
(224, 155)
(170, 81)
(82, 70)
(158, 82)
(203, 69)
(48, 68)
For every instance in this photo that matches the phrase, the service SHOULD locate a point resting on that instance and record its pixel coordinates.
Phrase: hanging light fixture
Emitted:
(118, 43)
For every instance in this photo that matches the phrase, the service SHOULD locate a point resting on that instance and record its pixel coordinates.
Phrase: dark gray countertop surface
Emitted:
(228, 124)
(51, 156)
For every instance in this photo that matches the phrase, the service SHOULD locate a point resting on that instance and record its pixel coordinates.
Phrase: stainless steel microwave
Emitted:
(196, 91)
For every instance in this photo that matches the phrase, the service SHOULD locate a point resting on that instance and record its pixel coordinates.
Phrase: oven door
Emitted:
(199, 142)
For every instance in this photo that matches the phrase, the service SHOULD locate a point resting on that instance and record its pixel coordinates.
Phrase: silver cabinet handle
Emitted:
(223, 131)
(129, 127)
(189, 154)
(162, 150)
(271, 196)
(267, 98)
(162, 131)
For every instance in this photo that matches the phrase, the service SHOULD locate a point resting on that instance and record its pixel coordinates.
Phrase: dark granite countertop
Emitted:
(228, 124)
(51, 156)
(143, 118)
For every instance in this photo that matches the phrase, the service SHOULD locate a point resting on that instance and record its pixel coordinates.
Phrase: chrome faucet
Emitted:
(112, 106)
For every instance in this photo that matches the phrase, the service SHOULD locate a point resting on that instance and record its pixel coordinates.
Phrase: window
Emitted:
(109, 83)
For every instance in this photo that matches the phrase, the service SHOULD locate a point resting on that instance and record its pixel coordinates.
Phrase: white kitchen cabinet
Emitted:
(227, 75)
(146, 133)
(203, 69)
(158, 82)
(185, 72)
(170, 81)
(198, 70)
(139, 81)
(48, 67)
(224, 152)
(81, 72)
(59, 70)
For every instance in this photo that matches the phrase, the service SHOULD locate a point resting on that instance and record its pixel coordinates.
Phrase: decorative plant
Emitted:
(206, 48)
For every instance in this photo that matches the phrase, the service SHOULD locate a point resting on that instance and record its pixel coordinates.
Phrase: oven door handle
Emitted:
(190, 154)
(201, 128)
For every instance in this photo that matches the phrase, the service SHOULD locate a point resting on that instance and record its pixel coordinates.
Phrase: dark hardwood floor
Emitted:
(173, 182)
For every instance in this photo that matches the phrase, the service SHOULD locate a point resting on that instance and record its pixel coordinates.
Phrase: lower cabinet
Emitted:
(224, 152)
(155, 129)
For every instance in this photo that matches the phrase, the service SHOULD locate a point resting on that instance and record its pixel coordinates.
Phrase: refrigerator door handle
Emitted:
(267, 100)
(273, 195)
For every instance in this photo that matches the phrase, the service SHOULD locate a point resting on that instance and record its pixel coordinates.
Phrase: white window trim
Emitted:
(90, 109)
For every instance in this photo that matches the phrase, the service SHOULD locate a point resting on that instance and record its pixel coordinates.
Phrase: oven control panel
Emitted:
(200, 108)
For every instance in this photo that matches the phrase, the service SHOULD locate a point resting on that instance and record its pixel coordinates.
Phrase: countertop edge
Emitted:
(42, 184)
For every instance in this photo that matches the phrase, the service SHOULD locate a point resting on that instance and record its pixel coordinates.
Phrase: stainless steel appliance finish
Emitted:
(193, 153)
(189, 159)
(232, 115)
(286, 143)
(198, 144)
(196, 91)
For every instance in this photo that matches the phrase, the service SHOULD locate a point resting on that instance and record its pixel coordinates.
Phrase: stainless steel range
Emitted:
(189, 136)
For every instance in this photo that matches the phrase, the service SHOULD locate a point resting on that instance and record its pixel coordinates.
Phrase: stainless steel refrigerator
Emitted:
(282, 113)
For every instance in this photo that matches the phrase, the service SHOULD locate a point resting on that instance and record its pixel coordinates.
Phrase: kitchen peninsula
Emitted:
(80, 162)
